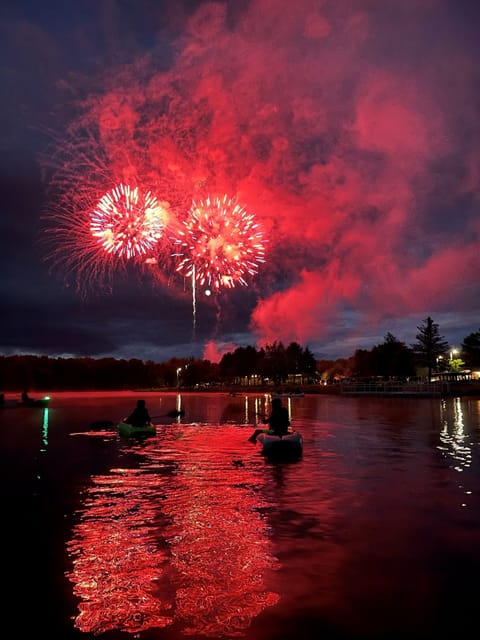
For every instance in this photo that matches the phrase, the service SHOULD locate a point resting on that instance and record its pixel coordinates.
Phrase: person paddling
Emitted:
(278, 420)
(140, 415)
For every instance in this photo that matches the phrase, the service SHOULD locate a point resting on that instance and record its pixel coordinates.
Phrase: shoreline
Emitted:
(410, 390)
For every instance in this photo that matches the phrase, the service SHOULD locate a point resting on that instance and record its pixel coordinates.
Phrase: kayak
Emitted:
(287, 446)
(129, 430)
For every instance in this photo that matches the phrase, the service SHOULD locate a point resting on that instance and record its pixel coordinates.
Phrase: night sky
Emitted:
(350, 130)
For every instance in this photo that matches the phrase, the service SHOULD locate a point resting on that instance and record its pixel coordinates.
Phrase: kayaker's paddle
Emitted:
(108, 424)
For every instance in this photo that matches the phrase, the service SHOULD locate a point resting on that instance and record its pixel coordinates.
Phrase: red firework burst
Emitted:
(127, 223)
(222, 244)
(90, 237)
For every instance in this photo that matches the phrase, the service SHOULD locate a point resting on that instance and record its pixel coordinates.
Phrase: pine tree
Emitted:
(429, 345)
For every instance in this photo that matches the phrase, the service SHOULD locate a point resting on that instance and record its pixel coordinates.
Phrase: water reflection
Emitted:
(43, 448)
(179, 407)
(455, 443)
(242, 409)
(177, 537)
(369, 530)
(116, 558)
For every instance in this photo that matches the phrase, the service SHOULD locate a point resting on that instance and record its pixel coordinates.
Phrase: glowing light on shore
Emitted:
(222, 245)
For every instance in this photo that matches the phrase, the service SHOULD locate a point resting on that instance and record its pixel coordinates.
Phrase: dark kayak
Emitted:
(287, 446)
(129, 430)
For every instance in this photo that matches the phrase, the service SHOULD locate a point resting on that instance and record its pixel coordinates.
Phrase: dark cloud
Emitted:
(350, 130)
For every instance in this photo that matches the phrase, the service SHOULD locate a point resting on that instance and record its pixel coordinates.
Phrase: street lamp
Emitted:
(453, 352)
(178, 376)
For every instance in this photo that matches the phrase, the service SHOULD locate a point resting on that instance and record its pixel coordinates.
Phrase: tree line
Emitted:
(246, 365)
(430, 353)
(273, 364)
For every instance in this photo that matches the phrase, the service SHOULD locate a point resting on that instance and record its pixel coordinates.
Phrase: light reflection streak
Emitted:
(260, 412)
(179, 407)
(43, 448)
(180, 540)
(257, 408)
(260, 408)
(455, 442)
(289, 407)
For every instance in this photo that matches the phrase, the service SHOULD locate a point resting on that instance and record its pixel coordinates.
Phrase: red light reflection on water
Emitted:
(116, 560)
(179, 540)
(220, 551)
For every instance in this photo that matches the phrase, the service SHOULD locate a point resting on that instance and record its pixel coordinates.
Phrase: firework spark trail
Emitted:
(194, 305)
(221, 244)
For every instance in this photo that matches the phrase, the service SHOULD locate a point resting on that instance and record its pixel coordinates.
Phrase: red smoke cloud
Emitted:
(214, 352)
(336, 131)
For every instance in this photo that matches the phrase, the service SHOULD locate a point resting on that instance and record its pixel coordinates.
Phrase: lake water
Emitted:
(192, 534)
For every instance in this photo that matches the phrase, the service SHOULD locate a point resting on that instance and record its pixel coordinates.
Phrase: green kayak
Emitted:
(130, 430)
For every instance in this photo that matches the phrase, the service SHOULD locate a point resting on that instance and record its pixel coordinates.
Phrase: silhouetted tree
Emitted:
(274, 364)
(471, 350)
(362, 363)
(227, 367)
(308, 363)
(242, 362)
(429, 345)
(300, 361)
(246, 359)
(294, 353)
(392, 358)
